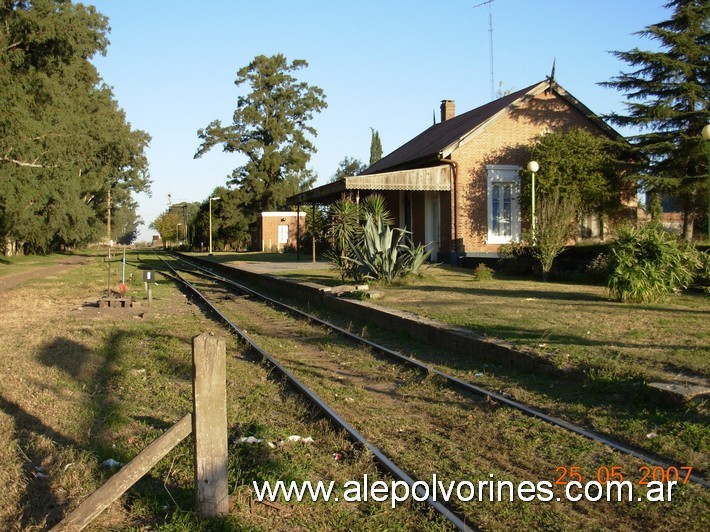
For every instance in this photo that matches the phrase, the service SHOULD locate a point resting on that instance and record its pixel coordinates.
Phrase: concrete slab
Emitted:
(679, 393)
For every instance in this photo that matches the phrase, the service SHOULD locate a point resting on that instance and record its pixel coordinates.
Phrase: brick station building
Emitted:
(456, 185)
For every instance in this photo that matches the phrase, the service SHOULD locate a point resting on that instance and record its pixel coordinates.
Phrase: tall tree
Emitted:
(668, 93)
(64, 143)
(584, 168)
(167, 226)
(375, 147)
(230, 224)
(270, 127)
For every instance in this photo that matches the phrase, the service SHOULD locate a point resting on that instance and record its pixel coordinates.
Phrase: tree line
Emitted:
(70, 162)
(68, 156)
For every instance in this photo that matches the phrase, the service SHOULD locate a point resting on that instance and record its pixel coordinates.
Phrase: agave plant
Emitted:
(364, 246)
(419, 254)
(385, 253)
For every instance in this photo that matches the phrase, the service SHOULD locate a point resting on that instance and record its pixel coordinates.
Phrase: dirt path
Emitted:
(12, 280)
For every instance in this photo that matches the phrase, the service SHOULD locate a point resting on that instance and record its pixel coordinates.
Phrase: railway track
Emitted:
(444, 415)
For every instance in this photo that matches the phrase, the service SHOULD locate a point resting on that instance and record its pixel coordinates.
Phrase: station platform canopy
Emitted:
(434, 178)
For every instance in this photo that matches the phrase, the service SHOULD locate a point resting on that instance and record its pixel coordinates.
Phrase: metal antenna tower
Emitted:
(490, 38)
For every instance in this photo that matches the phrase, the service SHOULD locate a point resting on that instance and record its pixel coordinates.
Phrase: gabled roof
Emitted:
(435, 143)
(439, 140)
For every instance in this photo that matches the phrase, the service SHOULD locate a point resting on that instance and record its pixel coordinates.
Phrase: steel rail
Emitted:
(461, 384)
(386, 463)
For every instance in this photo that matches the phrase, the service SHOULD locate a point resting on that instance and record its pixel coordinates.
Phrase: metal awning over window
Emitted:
(436, 178)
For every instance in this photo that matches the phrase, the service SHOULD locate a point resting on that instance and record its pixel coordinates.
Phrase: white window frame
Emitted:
(498, 174)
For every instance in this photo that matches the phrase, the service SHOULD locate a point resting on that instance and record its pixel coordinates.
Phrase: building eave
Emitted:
(430, 178)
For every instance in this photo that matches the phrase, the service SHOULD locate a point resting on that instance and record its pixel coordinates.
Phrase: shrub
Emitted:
(555, 226)
(703, 277)
(343, 227)
(515, 259)
(649, 263)
(346, 232)
(363, 246)
(482, 273)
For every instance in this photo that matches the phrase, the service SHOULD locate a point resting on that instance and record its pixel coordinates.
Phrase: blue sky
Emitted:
(383, 64)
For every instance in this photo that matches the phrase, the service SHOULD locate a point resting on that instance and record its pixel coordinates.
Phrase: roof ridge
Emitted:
(426, 146)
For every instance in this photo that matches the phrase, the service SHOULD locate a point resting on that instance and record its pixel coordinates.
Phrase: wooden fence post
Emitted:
(128, 475)
(210, 425)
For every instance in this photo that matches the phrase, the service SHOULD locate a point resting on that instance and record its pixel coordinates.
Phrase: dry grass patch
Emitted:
(429, 428)
(600, 354)
(81, 385)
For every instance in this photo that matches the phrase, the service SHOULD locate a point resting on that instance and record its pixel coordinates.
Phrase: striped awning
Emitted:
(428, 179)
(435, 178)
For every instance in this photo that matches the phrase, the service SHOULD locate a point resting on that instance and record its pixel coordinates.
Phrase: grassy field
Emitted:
(81, 385)
(600, 354)
(432, 429)
(24, 263)
(571, 325)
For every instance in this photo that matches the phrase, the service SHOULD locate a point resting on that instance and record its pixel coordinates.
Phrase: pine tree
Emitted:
(375, 147)
(668, 95)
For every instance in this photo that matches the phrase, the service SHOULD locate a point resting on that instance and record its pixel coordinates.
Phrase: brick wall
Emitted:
(504, 142)
(268, 231)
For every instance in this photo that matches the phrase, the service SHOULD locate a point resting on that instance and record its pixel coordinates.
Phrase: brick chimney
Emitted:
(448, 110)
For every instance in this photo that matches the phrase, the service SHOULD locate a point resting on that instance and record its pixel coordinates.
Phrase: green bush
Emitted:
(703, 277)
(515, 259)
(345, 232)
(364, 246)
(556, 225)
(649, 263)
(343, 228)
(482, 273)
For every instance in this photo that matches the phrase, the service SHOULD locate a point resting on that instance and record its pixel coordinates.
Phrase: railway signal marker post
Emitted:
(148, 279)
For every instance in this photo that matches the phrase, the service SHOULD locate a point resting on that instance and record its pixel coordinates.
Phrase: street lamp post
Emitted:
(533, 167)
(215, 198)
(706, 137)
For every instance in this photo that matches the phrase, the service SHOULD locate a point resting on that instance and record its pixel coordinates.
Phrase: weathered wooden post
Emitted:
(210, 425)
(313, 231)
(131, 473)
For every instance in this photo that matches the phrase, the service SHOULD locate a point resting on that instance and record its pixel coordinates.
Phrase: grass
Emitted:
(82, 385)
(24, 263)
(571, 325)
(440, 431)
(600, 354)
